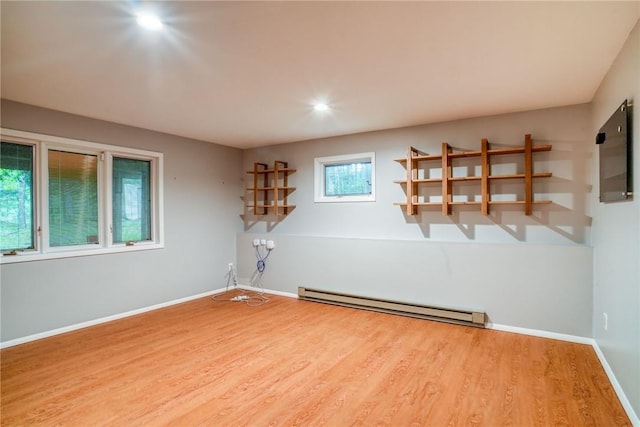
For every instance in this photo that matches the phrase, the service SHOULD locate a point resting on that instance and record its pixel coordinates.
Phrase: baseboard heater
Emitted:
(442, 314)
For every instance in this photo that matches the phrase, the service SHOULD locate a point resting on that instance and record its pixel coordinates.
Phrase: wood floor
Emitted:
(291, 362)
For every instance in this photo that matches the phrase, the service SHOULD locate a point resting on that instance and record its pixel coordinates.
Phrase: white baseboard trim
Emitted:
(269, 291)
(633, 417)
(539, 333)
(82, 325)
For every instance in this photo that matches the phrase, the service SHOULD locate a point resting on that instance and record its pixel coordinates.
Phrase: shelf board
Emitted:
(495, 151)
(270, 206)
(418, 181)
(271, 188)
(520, 175)
(421, 158)
(476, 178)
(471, 202)
(518, 202)
(464, 154)
(476, 202)
(265, 171)
(465, 178)
(518, 150)
(500, 151)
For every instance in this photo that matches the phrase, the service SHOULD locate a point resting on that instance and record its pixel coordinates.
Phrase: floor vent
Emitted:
(442, 314)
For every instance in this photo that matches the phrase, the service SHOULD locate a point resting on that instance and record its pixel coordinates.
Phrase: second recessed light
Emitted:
(320, 106)
(149, 21)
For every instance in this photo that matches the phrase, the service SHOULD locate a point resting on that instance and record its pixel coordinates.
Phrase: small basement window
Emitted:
(345, 178)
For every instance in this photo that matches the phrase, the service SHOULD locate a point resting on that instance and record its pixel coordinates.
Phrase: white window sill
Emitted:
(345, 199)
(34, 256)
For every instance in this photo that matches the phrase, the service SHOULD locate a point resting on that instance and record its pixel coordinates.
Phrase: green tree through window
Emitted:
(131, 200)
(348, 179)
(16, 197)
(344, 178)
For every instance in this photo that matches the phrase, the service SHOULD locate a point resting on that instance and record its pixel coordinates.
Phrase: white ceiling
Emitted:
(245, 74)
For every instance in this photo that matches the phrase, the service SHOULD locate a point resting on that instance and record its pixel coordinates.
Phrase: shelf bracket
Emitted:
(528, 175)
(447, 197)
(412, 186)
(486, 171)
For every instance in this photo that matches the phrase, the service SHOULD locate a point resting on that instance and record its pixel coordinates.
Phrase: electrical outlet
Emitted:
(605, 321)
(230, 266)
(256, 242)
(270, 244)
(263, 242)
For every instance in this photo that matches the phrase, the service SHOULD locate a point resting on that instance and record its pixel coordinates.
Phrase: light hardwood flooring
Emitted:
(291, 362)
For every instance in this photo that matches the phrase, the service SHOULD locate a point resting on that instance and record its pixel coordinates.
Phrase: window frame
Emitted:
(44, 225)
(319, 165)
(151, 192)
(105, 153)
(35, 190)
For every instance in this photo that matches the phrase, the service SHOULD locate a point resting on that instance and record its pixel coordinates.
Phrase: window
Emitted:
(131, 200)
(16, 197)
(61, 197)
(73, 198)
(346, 178)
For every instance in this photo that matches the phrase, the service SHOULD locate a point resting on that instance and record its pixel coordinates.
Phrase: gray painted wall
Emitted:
(616, 235)
(202, 189)
(525, 271)
(543, 287)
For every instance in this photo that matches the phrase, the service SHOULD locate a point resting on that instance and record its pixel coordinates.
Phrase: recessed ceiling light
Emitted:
(320, 106)
(149, 21)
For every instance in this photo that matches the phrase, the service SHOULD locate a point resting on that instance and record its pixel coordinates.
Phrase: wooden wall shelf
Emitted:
(271, 189)
(415, 157)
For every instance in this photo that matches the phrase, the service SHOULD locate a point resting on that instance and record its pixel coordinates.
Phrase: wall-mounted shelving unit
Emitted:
(415, 158)
(271, 189)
